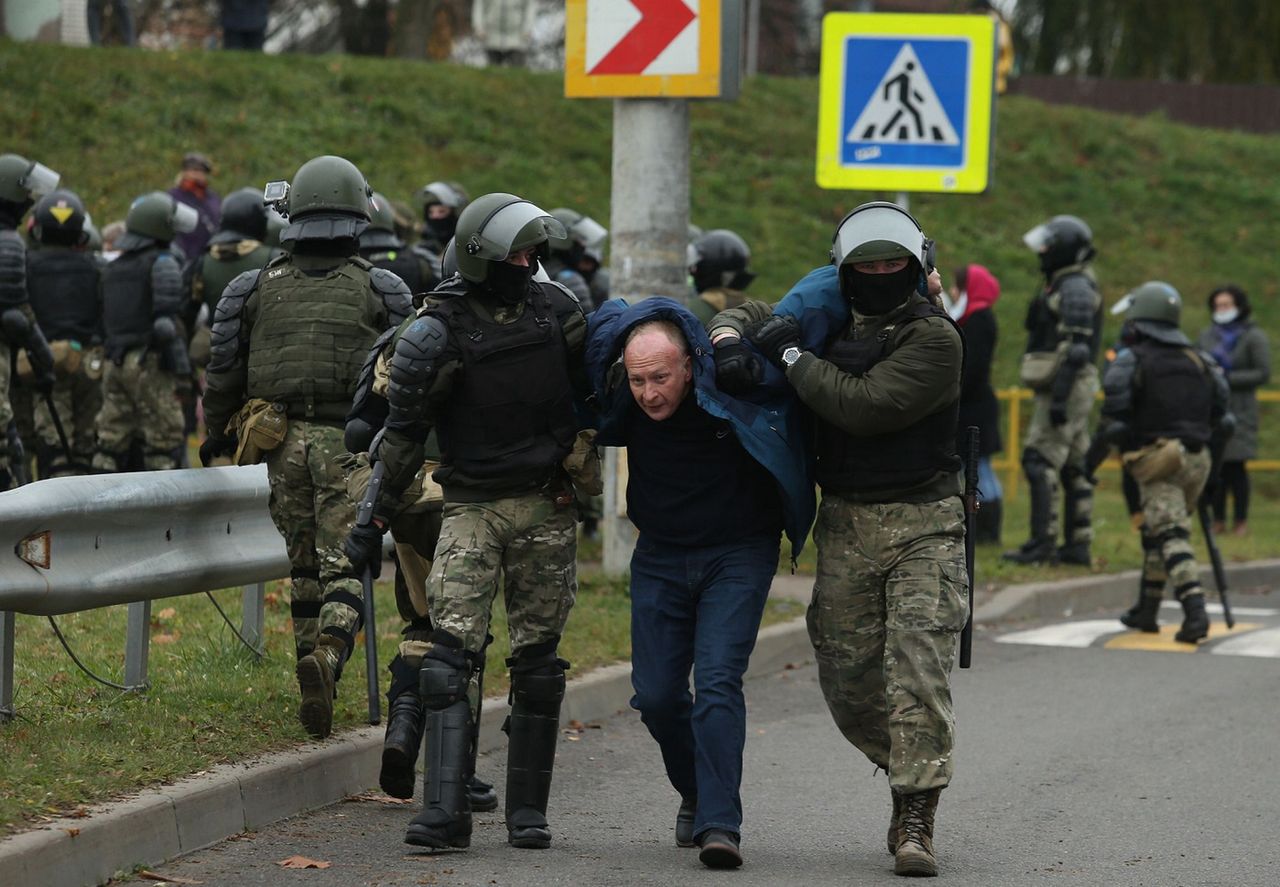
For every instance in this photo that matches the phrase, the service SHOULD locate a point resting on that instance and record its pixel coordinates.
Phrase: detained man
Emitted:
(711, 487)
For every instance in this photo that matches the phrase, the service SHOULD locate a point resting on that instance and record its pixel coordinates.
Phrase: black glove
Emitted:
(364, 548)
(213, 447)
(738, 370)
(44, 382)
(776, 335)
(1057, 413)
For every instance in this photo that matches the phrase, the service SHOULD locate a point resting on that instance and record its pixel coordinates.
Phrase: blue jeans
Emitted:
(699, 609)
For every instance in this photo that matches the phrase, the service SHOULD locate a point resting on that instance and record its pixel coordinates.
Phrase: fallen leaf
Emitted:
(577, 725)
(376, 798)
(164, 639)
(165, 879)
(301, 862)
(167, 613)
(72, 831)
(79, 813)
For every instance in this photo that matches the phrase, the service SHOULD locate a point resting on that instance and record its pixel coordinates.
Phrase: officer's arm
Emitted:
(576, 284)
(369, 404)
(737, 320)
(1118, 386)
(573, 325)
(227, 375)
(1077, 308)
(19, 321)
(193, 288)
(919, 377)
(394, 298)
(422, 369)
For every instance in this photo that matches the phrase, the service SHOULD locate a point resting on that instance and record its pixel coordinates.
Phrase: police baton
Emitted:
(364, 517)
(1215, 558)
(57, 426)
(18, 472)
(970, 531)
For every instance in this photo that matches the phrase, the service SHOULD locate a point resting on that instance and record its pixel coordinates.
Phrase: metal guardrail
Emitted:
(1009, 462)
(77, 543)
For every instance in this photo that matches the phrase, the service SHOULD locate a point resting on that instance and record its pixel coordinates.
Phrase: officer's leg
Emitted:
(445, 820)
(115, 430)
(1077, 511)
(162, 425)
(1143, 615)
(1042, 486)
(85, 403)
(404, 712)
(6, 416)
(1164, 505)
(540, 569)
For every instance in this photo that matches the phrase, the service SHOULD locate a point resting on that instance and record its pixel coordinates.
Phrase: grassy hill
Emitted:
(1167, 201)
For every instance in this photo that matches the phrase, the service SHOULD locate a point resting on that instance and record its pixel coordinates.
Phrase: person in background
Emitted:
(192, 188)
(244, 24)
(505, 28)
(120, 14)
(1241, 349)
(974, 292)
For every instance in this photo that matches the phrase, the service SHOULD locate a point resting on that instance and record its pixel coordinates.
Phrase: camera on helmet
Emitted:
(276, 196)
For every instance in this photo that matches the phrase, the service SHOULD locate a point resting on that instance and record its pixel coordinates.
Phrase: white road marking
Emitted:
(1067, 634)
(1264, 643)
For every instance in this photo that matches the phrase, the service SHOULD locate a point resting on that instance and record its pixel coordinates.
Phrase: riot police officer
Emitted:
(63, 279)
(878, 365)
(238, 246)
(492, 362)
(1064, 330)
(718, 261)
(1166, 403)
(22, 182)
(290, 340)
(383, 248)
(583, 234)
(442, 204)
(146, 347)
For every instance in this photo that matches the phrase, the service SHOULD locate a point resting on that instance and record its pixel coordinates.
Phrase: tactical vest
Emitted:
(1042, 322)
(13, 268)
(510, 422)
(405, 265)
(63, 285)
(126, 300)
(895, 460)
(1173, 395)
(310, 337)
(221, 266)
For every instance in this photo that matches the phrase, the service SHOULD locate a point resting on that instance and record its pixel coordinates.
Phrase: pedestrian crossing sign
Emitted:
(906, 102)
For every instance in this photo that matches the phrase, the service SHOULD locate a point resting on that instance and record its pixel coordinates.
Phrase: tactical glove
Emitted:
(738, 370)
(364, 548)
(776, 335)
(44, 382)
(213, 447)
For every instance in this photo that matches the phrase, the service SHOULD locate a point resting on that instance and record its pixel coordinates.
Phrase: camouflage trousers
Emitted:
(1167, 506)
(531, 543)
(888, 603)
(1063, 448)
(139, 401)
(6, 409)
(311, 508)
(77, 399)
(416, 536)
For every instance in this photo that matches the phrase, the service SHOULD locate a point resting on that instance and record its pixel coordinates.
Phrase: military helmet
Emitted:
(329, 185)
(583, 231)
(1154, 301)
(22, 180)
(449, 259)
(159, 216)
(450, 194)
(719, 258)
(877, 231)
(381, 233)
(59, 217)
(1061, 241)
(494, 226)
(92, 236)
(244, 213)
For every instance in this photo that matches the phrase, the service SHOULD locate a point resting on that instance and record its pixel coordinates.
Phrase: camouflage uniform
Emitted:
(1063, 447)
(1167, 506)
(139, 401)
(78, 399)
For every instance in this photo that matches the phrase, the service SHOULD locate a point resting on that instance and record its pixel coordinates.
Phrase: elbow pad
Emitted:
(413, 367)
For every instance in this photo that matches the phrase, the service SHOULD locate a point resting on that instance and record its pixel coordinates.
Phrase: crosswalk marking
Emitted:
(1164, 642)
(1216, 609)
(1245, 639)
(1259, 643)
(1066, 634)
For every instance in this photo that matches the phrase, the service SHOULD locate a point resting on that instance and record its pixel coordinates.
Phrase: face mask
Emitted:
(442, 229)
(875, 294)
(510, 282)
(1226, 315)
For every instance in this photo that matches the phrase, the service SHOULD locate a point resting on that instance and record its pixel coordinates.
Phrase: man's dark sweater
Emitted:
(691, 482)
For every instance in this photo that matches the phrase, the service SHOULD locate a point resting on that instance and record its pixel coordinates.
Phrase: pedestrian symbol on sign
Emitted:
(904, 109)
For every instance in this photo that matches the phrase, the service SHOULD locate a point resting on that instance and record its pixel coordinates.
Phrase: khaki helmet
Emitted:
(494, 226)
(23, 180)
(328, 200)
(159, 216)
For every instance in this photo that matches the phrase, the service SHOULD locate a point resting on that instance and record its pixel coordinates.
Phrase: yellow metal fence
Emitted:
(1009, 463)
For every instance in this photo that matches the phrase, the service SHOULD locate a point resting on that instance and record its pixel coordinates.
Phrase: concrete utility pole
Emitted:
(648, 236)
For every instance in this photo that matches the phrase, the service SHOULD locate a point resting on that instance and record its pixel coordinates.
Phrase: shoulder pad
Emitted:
(278, 259)
(554, 289)
(361, 262)
(394, 293)
(412, 366)
(241, 286)
(425, 336)
(13, 269)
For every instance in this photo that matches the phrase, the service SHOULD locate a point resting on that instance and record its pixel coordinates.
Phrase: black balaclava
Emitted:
(11, 213)
(509, 283)
(442, 230)
(876, 294)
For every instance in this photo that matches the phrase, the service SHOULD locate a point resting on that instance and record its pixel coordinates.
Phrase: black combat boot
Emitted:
(1143, 614)
(1195, 621)
(403, 738)
(914, 853)
(1075, 553)
(445, 820)
(537, 689)
(1040, 548)
(484, 797)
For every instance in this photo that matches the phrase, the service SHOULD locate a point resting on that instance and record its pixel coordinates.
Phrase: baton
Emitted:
(57, 426)
(1215, 558)
(364, 517)
(970, 531)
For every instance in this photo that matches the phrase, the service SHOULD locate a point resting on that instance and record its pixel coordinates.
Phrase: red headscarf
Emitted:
(982, 290)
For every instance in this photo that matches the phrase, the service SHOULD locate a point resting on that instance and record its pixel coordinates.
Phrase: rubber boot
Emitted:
(445, 820)
(317, 680)
(1195, 621)
(1040, 548)
(914, 853)
(537, 689)
(989, 519)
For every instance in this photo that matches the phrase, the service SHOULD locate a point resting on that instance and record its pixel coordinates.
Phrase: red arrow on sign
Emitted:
(661, 21)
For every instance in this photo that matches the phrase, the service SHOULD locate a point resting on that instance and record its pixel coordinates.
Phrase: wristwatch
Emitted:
(790, 356)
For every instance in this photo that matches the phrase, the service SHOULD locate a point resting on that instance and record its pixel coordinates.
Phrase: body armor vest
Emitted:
(896, 460)
(126, 301)
(510, 422)
(13, 269)
(1042, 322)
(63, 285)
(405, 265)
(1173, 396)
(223, 264)
(310, 338)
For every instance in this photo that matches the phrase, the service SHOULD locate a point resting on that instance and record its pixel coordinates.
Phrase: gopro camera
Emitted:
(276, 196)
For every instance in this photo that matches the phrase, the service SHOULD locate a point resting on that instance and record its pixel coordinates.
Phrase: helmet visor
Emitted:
(184, 218)
(877, 233)
(1038, 238)
(441, 192)
(40, 180)
(1123, 305)
(588, 232)
(516, 226)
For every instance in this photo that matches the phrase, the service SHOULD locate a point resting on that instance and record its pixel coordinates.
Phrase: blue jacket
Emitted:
(767, 426)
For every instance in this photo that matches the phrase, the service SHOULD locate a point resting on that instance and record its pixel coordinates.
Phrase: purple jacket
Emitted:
(210, 210)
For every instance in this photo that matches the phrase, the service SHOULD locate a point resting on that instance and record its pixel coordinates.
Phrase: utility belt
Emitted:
(1159, 460)
(68, 358)
(259, 427)
(1038, 368)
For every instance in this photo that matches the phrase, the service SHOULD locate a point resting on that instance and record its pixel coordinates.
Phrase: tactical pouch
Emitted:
(423, 494)
(259, 428)
(1038, 369)
(1156, 461)
(95, 364)
(583, 464)
(67, 358)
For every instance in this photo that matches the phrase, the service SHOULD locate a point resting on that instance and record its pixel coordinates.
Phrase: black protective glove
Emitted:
(43, 382)
(364, 548)
(213, 447)
(776, 335)
(738, 370)
(1057, 413)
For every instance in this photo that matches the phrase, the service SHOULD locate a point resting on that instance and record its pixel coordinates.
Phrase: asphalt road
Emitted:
(1075, 765)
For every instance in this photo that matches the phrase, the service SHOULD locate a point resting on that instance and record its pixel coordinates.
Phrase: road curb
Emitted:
(160, 824)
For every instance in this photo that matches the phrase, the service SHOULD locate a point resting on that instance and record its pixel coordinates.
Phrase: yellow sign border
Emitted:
(969, 178)
(579, 84)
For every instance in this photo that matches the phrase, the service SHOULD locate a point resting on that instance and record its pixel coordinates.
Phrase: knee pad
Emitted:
(1033, 463)
(445, 673)
(537, 676)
